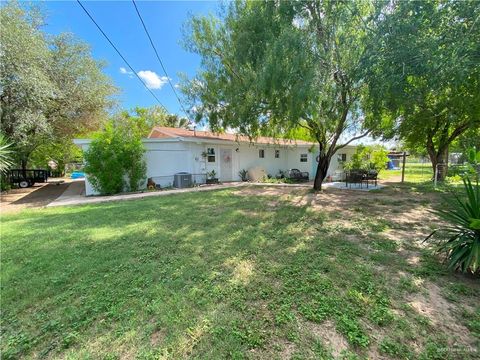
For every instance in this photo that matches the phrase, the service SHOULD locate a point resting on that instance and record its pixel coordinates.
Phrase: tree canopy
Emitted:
(270, 68)
(51, 87)
(368, 157)
(423, 73)
(146, 118)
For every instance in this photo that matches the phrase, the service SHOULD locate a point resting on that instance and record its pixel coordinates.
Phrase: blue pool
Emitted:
(77, 175)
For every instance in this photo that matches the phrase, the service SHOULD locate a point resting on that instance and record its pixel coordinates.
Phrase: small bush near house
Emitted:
(368, 158)
(114, 160)
(243, 175)
(276, 180)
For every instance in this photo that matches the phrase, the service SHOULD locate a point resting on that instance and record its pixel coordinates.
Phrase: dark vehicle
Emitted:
(27, 178)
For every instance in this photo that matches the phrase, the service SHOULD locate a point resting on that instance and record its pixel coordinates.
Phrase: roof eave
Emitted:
(223, 141)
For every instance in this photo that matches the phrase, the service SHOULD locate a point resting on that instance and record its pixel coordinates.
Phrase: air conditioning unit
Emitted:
(182, 180)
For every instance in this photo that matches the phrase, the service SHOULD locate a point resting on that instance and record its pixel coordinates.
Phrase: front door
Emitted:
(226, 164)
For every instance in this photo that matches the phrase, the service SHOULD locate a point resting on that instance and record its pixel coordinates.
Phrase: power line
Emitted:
(119, 53)
(158, 57)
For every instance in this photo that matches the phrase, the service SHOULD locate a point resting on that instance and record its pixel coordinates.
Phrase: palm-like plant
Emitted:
(5, 154)
(461, 240)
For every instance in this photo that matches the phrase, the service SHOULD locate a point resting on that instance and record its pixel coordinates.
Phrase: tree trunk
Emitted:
(23, 163)
(322, 168)
(440, 162)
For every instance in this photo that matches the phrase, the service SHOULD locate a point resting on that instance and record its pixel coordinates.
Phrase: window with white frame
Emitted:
(303, 157)
(211, 155)
(277, 154)
(261, 153)
(342, 157)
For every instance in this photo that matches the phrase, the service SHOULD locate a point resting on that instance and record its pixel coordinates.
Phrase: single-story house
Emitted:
(172, 150)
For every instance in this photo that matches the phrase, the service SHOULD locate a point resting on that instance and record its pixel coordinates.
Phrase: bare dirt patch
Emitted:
(329, 336)
(408, 221)
(287, 351)
(157, 337)
(431, 304)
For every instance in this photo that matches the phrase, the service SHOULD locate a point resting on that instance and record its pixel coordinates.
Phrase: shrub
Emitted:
(211, 174)
(460, 171)
(6, 162)
(6, 153)
(4, 183)
(243, 175)
(461, 240)
(368, 158)
(114, 160)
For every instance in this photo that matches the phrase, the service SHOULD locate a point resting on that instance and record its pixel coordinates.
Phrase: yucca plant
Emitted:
(460, 241)
(5, 154)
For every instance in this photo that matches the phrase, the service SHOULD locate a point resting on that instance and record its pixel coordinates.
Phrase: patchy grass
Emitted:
(251, 273)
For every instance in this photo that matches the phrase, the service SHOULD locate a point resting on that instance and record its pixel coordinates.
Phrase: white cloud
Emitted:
(152, 80)
(125, 71)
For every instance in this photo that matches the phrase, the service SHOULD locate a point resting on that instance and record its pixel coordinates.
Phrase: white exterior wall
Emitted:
(293, 160)
(335, 166)
(89, 190)
(246, 156)
(166, 157)
(250, 158)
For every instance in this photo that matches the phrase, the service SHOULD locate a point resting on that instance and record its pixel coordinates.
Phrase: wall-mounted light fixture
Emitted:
(237, 150)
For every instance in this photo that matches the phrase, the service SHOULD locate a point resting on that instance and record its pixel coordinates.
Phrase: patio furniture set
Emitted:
(360, 177)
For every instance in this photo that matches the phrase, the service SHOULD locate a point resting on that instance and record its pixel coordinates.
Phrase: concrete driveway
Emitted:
(39, 195)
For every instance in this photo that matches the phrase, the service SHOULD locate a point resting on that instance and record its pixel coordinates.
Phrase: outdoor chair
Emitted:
(354, 177)
(371, 175)
(297, 175)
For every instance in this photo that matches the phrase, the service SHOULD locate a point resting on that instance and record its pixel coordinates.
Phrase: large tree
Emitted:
(270, 68)
(51, 88)
(146, 118)
(423, 73)
(26, 87)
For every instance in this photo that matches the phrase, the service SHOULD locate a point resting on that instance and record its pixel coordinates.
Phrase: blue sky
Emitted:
(118, 19)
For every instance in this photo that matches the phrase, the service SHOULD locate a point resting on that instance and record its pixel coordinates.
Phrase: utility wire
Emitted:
(158, 57)
(119, 53)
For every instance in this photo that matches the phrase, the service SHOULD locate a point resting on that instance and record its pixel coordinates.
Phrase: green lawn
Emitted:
(414, 172)
(211, 275)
